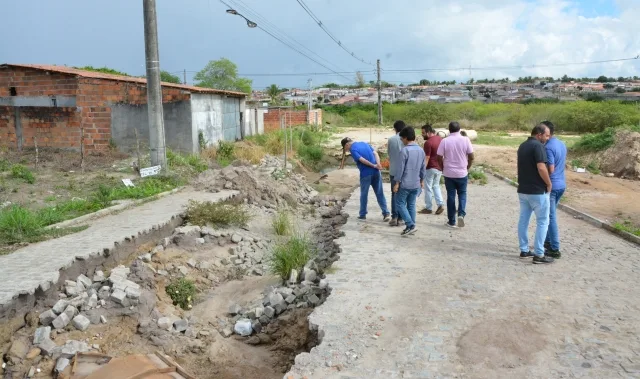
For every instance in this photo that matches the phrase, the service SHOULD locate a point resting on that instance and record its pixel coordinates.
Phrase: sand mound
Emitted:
(623, 158)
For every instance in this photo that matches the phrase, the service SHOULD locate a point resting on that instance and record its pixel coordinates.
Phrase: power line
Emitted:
(287, 74)
(262, 20)
(324, 28)
(292, 47)
(511, 67)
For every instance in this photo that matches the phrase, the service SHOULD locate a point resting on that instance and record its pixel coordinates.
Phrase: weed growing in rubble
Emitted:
(191, 161)
(4, 165)
(282, 224)
(477, 176)
(217, 213)
(627, 226)
(182, 292)
(19, 171)
(291, 255)
(226, 150)
(146, 187)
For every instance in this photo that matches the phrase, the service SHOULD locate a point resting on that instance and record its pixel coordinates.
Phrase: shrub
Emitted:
(249, 152)
(477, 176)
(226, 149)
(19, 171)
(596, 142)
(310, 154)
(190, 161)
(290, 255)
(181, 292)
(281, 223)
(217, 213)
(4, 165)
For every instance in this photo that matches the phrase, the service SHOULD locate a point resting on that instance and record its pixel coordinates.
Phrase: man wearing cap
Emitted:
(368, 163)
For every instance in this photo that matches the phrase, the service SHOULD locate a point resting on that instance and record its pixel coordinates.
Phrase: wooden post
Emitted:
(135, 132)
(82, 149)
(35, 144)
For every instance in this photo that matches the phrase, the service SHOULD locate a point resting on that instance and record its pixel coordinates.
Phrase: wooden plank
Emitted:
(170, 362)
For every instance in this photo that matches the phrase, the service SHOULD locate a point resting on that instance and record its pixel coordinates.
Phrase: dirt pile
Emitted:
(266, 185)
(623, 158)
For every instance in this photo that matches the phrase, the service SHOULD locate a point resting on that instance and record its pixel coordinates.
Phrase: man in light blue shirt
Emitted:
(410, 179)
(394, 145)
(556, 161)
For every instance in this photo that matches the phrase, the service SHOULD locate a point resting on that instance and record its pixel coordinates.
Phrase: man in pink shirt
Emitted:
(455, 155)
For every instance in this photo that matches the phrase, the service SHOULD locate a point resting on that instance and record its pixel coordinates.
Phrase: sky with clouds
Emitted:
(403, 34)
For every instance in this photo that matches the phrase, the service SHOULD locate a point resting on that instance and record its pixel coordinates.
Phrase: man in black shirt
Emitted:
(534, 186)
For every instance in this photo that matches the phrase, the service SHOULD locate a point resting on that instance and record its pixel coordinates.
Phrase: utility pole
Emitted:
(154, 88)
(185, 76)
(379, 96)
(309, 103)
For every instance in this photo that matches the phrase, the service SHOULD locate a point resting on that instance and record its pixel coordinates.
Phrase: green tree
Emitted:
(274, 93)
(360, 82)
(331, 85)
(608, 86)
(602, 79)
(620, 90)
(222, 74)
(170, 78)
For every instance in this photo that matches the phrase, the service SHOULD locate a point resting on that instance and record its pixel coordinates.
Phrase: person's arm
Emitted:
(440, 153)
(540, 156)
(470, 156)
(403, 163)
(551, 161)
(344, 155)
(423, 172)
(377, 164)
(427, 153)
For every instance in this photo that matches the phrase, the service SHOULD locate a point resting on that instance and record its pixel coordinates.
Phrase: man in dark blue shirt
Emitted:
(368, 163)
(556, 161)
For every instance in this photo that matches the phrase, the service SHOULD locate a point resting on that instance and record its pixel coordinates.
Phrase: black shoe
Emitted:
(555, 254)
(362, 218)
(409, 231)
(524, 255)
(542, 260)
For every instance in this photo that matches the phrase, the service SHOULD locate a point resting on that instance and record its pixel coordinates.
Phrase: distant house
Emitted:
(55, 103)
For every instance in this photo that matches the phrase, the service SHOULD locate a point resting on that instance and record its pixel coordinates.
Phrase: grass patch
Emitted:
(181, 292)
(282, 224)
(596, 142)
(190, 162)
(291, 255)
(19, 171)
(217, 213)
(627, 226)
(146, 187)
(20, 225)
(498, 139)
(4, 165)
(479, 177)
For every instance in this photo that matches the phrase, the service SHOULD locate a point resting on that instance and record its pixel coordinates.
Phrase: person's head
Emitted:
(463, 133)
(541, 133)
(550, 125)
(454, 127)
(398, 126)
(408, 134)
(346, 143)
(428, 131)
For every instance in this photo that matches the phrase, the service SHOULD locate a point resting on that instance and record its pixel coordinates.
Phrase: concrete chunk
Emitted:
(119, 296)
(99, 277)
(61, 364)
(71, 311)
(60, 306)
(86, 282)
(70, 349)
(61, 321)
(48, 348)
(269, 312)
(103, 319)
(41, 334)
(81, 323)
(181, 325)
(133, 293)
(165, 323)
(47, 317)
(92, 302)
(104, 292)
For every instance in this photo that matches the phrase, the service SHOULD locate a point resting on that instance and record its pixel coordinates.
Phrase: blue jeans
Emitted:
(374, 181)
(432, 188)
(453, 186)
(553, 237)
(406, 199)
(538, 204)
(394, 205)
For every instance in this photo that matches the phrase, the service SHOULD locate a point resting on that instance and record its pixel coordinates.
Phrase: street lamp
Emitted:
(250, 23)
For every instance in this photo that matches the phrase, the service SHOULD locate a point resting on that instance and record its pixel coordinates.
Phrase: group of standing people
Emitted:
(541, 184)
(541, 181)
(413, 168)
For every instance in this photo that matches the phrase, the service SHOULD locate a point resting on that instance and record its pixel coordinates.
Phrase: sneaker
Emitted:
(451, 226)
(555, 254)
(393, 222)
(386, 218)
(524, 255)
(426, 211)
(439, 210)
(409, 231)
(461, 221)
(542, 260)
(362, 218)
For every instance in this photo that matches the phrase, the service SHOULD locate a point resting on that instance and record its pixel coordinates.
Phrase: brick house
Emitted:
(54, 104)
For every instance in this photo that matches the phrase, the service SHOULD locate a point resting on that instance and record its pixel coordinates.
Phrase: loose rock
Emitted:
(61, 321)
(243, 327)
(81, 323)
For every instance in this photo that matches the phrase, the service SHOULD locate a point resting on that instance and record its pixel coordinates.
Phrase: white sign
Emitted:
(128, 182)
(149, 171)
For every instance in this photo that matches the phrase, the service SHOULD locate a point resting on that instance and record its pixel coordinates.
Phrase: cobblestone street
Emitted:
(461, 304)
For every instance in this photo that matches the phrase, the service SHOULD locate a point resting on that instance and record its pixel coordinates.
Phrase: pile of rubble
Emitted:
(266, 185)
(305, 290)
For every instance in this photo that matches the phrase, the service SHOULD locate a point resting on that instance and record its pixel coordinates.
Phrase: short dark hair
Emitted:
(428, 128)
(538, 129)
(399, 125)
(454, 127)
(409, 133)
(549, 125)
(345, 141)
(463, 133)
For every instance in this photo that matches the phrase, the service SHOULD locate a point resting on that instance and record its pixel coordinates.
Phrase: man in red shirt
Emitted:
(434, 171)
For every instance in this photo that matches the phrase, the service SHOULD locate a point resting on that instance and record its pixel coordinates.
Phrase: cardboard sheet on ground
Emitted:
(130, 367)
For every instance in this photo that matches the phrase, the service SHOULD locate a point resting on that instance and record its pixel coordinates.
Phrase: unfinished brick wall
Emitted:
(292, 118)
(61, 127)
